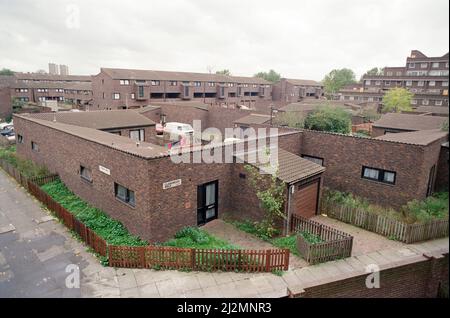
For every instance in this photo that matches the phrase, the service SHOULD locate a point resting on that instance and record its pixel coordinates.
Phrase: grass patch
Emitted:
(112, 231)
(192, 237)
(289, 242)
(26, 167)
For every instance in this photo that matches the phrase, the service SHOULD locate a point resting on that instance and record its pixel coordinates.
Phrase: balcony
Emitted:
(186, 91)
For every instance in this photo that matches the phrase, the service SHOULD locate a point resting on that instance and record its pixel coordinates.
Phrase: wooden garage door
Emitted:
(305, 199)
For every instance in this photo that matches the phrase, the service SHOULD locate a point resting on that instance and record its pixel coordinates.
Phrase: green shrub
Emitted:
(311, 238)
(109, 229)
(192, 237)
(330, 119)
(27, 167)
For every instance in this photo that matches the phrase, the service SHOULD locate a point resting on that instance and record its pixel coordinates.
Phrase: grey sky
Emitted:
(299, 39)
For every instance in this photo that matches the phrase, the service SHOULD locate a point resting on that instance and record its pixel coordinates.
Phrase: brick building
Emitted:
(125, 88)
(140, 185)
(38, 89)
(395, 123)
(295, 90)
(426, 77)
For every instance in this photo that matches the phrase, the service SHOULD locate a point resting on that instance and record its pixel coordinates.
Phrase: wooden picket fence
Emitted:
(155, 256)
(21, 179)
(198, 259)
(336, 244)
(385, 225)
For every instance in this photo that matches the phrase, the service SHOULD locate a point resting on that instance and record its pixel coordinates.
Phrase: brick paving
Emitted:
(230, 233)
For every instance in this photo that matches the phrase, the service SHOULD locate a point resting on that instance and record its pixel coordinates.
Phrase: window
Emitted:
(211, 84)
(172, 83)
(379, 175)
(124, 82)
(370, 99)
(132, 96)
(445, 83)
(438, 103)
(367, 82)
(19, 139)
(377, 83)
(59, 90)
(197, 84)
(85, 173)
(412, 65)
(399, 73)
(116, 96)
(425, 102)
(432, 83)
(156, 83)
(389, 74)
(413, 102)
(387, 83)
(435, 65)
(408, 83)
(34, 146)
(423, 65)
(420, 83)
(446, 64)
(317, 160)
(123, 194)
(137, 135)
(242, 176)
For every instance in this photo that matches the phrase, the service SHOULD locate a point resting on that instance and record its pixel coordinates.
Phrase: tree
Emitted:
(270, 76)
(290, 118)
(5, 71)
(17, 104)
(374, 72)
(337, 79)
(397, 100)
(224, 72)
(328, 118)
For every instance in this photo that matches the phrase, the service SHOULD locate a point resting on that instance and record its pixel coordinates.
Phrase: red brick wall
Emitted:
(344, 157)
(416, 280)
(442, 170)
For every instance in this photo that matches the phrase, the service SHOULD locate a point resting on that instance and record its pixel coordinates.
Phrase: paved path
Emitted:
(34, 256)
(363, 241)
(230, 233)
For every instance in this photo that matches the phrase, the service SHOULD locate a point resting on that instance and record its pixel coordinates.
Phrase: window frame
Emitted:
(114, 96)
(127, 199)
(20, 139)
(84, 168)
(34, 146)
(381, 173)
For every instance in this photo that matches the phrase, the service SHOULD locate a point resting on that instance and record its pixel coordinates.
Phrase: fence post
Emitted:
(286, 259)
(268, 260)
(110, 262)
(193, 260)
(142, 256)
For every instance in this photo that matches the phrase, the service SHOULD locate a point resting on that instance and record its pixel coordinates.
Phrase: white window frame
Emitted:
(155, 83)
(420, 83)
(116, 96)
(432, 83)
(413, 102)
(124, 82)
(408, 83)
(412, 65)
(423, 65)
(438, 103)
(425, 102)
(445, 83)
(433, 65)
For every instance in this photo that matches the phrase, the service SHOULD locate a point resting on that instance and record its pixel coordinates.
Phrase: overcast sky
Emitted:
(299, 38)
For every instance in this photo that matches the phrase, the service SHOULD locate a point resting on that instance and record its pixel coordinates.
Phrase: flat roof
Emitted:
(409, 122)
(101, 119)
(253, 119)
(421, 137)
(124, 144)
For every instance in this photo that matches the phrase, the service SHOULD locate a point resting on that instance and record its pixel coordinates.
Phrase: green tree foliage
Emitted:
(444, 126)
(328, 118)
(337, 79)
(374, 72)
(224, 72)
(17, 104)
(5, 71)
(270, 76)
(290, 119)
(397, 100)
(270, 192)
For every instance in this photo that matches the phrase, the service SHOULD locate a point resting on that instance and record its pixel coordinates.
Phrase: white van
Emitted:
(174, 130)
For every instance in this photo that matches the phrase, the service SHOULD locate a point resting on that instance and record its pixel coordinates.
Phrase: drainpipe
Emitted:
(288, 222)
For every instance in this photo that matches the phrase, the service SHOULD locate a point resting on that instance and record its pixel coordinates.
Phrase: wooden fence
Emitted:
(335, 244)
(198, 259)
(155, 256)
(385, 225)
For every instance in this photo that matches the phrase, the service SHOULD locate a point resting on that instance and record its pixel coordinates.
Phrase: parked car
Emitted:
(4, 125)
(7, 131)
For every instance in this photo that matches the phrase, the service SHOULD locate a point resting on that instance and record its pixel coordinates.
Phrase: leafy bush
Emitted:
(109, 229)
(258, 229)
(192, 237)
(27, 167)
(289, 242)
(434, 207)
(311, 238)
(330, 119)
